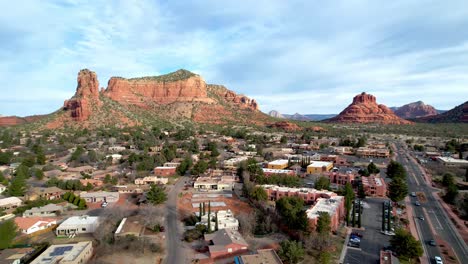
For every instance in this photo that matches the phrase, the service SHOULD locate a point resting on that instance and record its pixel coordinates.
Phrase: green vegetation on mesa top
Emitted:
(178, 75)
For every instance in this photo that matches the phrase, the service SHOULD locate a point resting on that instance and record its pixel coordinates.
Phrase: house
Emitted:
(15, 255)
(215, 183)
(374, 186)
(129, 188)
(93, 182)
(225, 218)
(116, 149)
(309, 195)
(97, 197)
(77, 253)
(263, 256)
(10, 202)
(2, 188)
(29, 225)
(82, 169)
(319, 167)
(225, 242)
(44, 193)
(165, 171)
(333, 206)
(171, 164)
(280, 164)
(78, 225)
(151, 180)
(115, 158)
(232, 163)
(344, 150)
(269, 172)
(46, 210)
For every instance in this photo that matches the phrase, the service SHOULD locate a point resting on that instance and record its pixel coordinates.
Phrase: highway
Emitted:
(431, 210)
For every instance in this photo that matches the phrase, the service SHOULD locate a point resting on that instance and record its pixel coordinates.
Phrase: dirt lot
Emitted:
(184, 203)
(125, 258)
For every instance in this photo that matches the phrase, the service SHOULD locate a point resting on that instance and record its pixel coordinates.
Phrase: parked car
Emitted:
(417, 203)
(421, 218)
(104, 204)
(413, 194)
(438, 260)
(356, 234)
(432, 242)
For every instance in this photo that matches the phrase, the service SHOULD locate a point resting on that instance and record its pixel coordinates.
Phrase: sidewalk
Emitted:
(345, 246)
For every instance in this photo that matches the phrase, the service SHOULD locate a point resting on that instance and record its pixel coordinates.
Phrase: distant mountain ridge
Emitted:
(300, 117)
(415, 110)
(459, 114)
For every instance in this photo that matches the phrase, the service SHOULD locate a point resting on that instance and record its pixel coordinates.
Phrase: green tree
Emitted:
(448, 179)
(77, 153)
(22, 171)
(66, 196)
(17, 186)
(156, 194)
(322, 183)
(361, 142)
(8, 231)
(324, 257)
(193, 147)
(292, 212)
(323, 223)
(451, 193)
(349, 198)
(372, 168)
(200, 167)
(184, 165)
(92, 156)
(291, 252)
(82, 203)
(29, 161)
(107, 179)
(396, 170)
(405, 245)
(259, 194)
(39, 174)
(3, 180)
(397, 189)
(5, 157)
(284, 140)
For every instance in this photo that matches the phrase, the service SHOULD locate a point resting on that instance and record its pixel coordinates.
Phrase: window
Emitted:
(83, 229)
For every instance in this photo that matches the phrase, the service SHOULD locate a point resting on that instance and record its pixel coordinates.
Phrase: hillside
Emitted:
(414, 110)
(459, 114)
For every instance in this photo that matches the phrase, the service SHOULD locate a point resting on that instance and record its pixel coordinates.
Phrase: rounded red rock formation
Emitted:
(285, 125)
(415, 110)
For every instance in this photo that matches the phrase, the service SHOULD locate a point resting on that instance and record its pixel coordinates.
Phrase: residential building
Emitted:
(225, 242)
(165, 171)
(374, 186)
(10, 202)
(77, 253)
(225, 218)
(151, 180)
(341, 179)
(171, 164)
(451, 162)
(269, 172)
(344, 150)
(93, 182)
(29, 225)
(333, 206)
(280, 164)
(215, 183)
(232, 163)
(78, 225)
(319, 167)
(115, 158)
(130, 188)
(2, 188)
(96, 197)
(309, 195)
(82, 169)
(263, 256)
(372, 152)
(44, 193)
(15, 255)
(46, 210)
(116, 149)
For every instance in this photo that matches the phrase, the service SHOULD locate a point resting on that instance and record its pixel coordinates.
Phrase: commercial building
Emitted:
(215, 183)
(77, 253)
(232, 163)
(333, 206)
(309, 195)
(451, 162)
(10, 202)
(151, 180)
(165, 171)
(29, 225)
(225, 242)
(46, 210)
(269, 172)
(263, 256)
(78, 225)
(319, 167)
(373, 152)
(374, 186)
(225, 218)
(97, 197)
(280, 164)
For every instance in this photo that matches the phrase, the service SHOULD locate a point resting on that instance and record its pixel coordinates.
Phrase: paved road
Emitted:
(373, 240)
(436, 214)
(174, 247)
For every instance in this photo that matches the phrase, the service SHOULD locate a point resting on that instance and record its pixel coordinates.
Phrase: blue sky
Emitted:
(309, 57)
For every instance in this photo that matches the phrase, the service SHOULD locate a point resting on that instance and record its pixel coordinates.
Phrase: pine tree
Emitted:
(17, 186)
(216, 221)
(359, 215)
(354, 214)
(200, 211)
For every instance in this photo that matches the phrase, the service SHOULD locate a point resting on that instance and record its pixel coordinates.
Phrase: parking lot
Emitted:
(373, 240)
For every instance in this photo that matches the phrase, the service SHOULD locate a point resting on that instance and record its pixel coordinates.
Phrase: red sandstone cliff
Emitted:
(415, 110)
(81, 104)
(364, 109)
(285, 125)
(231, 97)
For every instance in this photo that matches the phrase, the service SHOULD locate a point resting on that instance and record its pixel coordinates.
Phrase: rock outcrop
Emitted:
(415, 110)
(180, 86)
(80, 106)
(16, 120)
(275, 114)
(285, 125)
(364, 109)
(231, 97)
(458, 114)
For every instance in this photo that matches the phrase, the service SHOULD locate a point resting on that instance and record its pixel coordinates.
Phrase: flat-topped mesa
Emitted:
(179, 86)
(86, 95)
(364, 109)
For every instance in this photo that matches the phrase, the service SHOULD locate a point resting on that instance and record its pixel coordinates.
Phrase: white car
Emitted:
(438, 260)
(104, 204)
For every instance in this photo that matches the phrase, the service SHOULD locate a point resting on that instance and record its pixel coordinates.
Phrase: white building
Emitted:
(226, 220)
(151, 180)
(33, 224)
(233, 162)
(46, 210)
(116, 149)
(451, 162)
(78, 225)
(97, 197)
(77, 253)
(215, 183)
(10, 202)
(115, 158)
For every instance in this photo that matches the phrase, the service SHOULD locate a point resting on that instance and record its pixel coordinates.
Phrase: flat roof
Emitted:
(263, 256)
(278, 162)
(329, 205)
(453, 160)
(320, 164)
(276, 170)
(64, 252)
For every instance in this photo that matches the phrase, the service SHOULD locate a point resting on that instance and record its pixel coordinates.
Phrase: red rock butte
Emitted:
(364, 109)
